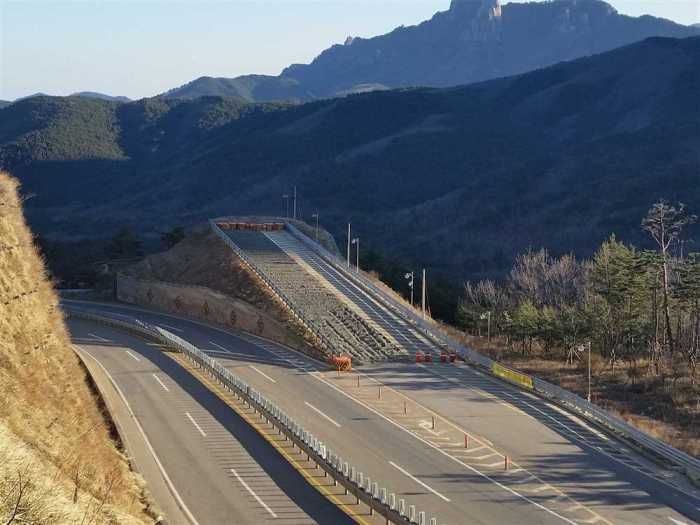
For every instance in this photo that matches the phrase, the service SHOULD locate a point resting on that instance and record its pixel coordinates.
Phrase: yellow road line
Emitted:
(216, 389)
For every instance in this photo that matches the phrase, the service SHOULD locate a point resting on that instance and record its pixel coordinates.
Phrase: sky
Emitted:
(141, 48)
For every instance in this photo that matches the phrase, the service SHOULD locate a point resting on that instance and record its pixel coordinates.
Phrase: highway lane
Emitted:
(220, 467)
(606, 490)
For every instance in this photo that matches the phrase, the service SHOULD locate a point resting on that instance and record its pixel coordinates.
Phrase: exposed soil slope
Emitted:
(59, 462)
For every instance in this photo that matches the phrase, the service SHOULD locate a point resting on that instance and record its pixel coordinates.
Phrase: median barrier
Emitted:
(315, 450)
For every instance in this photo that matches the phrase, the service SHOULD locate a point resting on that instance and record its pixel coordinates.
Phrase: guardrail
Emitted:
(689, 464)
(377, 498)
(301, 317)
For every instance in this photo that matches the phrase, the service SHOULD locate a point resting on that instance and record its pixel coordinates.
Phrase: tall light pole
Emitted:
(295, 203)
(423, 295)
(349, 239)
(356, 240)
(286, 200)
(315, 216)
(409, 276)
(589, 371)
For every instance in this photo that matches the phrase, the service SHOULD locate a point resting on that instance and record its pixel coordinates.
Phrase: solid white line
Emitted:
(221, 347)
(132, 355)
(161, 382)
(99, 338)
(419, 482)
(321, 413)
(676, 521)
(169, 327)
(257, 498)
(195, 424)
(167, 479)
(262, 373)
(456, 460)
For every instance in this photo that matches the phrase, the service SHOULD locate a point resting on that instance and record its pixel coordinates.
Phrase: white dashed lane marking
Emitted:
(196, 425)
(252, 493)
(404, 472)
(322, 414)
(262, 374)
(160, 382)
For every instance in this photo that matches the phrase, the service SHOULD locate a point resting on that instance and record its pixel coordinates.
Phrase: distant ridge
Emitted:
(474, 40)
(100, 96)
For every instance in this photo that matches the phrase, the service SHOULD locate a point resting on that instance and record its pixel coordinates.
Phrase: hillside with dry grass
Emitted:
(59, 458)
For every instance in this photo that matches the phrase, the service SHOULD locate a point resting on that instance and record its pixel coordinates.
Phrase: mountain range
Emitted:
(458, 179)
(474, 40)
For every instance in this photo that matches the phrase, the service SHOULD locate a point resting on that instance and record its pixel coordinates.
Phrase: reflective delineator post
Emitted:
(466, 440)
(405, 408)
(507, 462)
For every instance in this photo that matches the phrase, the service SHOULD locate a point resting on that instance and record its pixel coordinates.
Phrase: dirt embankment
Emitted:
(203, 262)
(59, 461)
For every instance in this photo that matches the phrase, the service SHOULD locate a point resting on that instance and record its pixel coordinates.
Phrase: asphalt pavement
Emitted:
(409, 435)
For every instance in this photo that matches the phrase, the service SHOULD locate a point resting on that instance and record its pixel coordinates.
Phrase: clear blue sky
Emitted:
(142, 48)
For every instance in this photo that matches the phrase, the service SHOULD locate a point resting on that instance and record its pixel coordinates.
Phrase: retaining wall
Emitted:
(206, 304)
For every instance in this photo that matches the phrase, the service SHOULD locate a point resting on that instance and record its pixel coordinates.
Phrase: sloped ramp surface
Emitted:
(333, 316)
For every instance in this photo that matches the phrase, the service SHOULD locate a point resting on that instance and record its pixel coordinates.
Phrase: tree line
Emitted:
(637, 306)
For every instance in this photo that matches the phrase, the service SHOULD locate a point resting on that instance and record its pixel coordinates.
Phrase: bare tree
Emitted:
(665, 223)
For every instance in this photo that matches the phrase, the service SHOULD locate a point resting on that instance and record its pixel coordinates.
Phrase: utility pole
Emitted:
(286, 200)
(348, 246)
(315, 216)
(356, 240)
(295, 203)
(423, 295)
(589, 371)
(409, 276)
(489, 327)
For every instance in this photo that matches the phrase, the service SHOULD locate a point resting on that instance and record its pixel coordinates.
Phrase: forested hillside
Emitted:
(458, 180)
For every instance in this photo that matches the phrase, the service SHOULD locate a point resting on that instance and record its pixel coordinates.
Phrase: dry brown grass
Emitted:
(56, 443)
(666, 409)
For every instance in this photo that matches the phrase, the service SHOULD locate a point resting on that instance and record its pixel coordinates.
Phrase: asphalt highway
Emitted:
(409, 436)
(220, 470)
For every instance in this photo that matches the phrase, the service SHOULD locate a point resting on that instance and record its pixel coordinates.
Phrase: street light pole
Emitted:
(315, 216)
(589, 371)
(356, 240)
(488, 329)
(286, 200)
(295, 203)
(409, 276)
(349, 238)
(423, 295)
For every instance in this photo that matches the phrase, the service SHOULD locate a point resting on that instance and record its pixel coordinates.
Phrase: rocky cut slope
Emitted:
(474, 40)
(59, 463)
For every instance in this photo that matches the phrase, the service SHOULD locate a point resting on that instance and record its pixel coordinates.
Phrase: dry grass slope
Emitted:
(59, 462)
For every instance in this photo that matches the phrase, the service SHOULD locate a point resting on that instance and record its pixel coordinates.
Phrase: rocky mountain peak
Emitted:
(476, 8)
